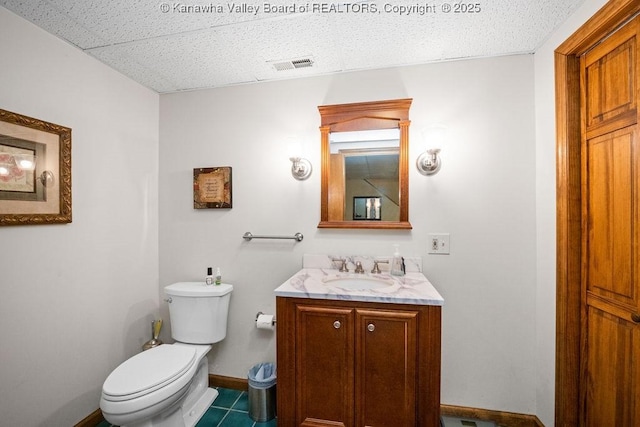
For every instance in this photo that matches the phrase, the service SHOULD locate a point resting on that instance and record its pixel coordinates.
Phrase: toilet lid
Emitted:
(197, 289)
(149, 370)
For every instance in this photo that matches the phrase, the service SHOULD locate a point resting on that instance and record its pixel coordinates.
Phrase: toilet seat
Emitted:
(148, 371)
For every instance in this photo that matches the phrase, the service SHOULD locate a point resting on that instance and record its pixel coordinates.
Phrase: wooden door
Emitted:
(324, 366)
(386, 356)
(610, 379)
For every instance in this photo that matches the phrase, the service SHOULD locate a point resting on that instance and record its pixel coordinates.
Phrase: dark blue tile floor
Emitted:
(230, 409)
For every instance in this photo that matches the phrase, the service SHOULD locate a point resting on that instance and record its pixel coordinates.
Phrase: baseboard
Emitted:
(228, 382)
(503, 419)
(92, 420)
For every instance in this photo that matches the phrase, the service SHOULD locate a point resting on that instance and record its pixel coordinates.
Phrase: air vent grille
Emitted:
(302, 63)
(293, 64)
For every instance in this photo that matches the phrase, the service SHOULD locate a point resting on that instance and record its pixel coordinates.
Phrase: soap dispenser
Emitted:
(397, 263)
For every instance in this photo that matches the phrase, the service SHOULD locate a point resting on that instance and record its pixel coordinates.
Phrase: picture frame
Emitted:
(367, 208)
(35, 171)
(212, 188)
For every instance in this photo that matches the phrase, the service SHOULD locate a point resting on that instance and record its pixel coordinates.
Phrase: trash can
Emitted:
(262, 392)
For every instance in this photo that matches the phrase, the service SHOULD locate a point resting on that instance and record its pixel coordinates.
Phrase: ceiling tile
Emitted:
(171, 46)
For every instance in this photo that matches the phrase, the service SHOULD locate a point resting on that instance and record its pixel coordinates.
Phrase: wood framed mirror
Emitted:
(365, 153)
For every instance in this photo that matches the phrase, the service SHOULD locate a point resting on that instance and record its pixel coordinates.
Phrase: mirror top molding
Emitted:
(362, 116)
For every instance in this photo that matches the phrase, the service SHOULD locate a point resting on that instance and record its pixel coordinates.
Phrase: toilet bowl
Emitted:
(167, 386)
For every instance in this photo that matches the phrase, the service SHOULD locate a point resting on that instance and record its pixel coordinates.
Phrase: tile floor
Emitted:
(230, 409)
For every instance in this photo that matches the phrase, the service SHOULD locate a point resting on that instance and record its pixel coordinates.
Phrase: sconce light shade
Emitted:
(429, 162)
(300, 168)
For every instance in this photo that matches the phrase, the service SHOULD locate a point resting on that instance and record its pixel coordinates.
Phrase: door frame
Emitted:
(569, 226)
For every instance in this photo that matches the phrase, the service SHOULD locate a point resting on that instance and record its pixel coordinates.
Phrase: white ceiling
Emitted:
(170, 46)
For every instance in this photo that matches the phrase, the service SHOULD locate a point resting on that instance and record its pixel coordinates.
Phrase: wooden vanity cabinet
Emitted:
(357, 364)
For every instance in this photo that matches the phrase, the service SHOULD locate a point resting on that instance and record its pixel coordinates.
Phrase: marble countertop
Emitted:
(318, 283)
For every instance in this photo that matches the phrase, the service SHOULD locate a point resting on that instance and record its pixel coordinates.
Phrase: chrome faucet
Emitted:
(359, 268)
(343, 265)
(376, 268)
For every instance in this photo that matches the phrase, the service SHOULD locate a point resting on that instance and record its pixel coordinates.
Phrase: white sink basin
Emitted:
(358, 283)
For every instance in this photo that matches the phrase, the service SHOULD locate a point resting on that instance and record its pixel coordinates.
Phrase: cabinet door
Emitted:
(386, 358)
(324, 366)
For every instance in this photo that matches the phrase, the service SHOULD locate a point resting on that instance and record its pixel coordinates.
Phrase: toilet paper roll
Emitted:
(264, 321)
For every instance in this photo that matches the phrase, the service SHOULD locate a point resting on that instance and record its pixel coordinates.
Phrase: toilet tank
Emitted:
(198, 312)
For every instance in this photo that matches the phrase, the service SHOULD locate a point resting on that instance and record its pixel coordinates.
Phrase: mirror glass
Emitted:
(368, 162)
(365, 178)
(367, 208)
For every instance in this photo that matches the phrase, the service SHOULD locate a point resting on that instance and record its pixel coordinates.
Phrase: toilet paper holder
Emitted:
(273, 322)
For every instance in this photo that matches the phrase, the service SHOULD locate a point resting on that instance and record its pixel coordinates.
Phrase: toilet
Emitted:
(168, 385)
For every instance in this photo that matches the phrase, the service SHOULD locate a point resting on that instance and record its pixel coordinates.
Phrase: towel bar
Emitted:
(297, 237)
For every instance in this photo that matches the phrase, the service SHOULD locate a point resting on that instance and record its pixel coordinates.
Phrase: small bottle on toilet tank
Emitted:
(209, 279)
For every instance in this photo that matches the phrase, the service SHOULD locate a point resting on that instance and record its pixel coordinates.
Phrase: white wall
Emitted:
(484, 196)
(546, 208)
(78, 298)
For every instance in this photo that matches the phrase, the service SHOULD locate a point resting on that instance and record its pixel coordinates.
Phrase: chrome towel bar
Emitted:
(248, 236)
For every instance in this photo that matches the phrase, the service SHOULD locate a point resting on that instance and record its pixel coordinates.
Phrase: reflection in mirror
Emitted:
(367, 208)
(366, 165)
(365, 151)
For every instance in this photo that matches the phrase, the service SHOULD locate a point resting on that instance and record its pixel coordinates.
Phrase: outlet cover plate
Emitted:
(438, 243)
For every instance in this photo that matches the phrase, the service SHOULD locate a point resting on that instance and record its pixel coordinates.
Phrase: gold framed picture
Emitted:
(35, 171)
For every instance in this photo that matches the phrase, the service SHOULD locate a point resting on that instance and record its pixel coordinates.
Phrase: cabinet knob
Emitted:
(371, 327)
(635, 317)
(337, 324)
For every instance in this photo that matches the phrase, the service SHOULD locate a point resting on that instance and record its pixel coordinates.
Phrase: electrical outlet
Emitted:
(438, 243)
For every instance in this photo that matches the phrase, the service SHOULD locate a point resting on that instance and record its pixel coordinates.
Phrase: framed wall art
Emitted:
(35, 171)
(212, 188)
(367, 208)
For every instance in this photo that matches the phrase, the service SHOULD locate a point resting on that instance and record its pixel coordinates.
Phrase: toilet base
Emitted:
(192, 415)
(184, 408)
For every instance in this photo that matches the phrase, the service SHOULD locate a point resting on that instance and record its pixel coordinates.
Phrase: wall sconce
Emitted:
(300, 168)
(429, 163)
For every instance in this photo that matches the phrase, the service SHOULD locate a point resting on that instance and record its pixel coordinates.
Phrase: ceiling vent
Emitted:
(292, 64)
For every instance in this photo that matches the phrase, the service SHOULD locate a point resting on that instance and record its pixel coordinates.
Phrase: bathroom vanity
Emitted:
(358, 349)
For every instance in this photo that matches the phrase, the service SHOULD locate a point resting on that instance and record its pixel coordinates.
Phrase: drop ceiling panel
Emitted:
(296, 37)
(55, 21)
(185, 62)
(168, 47)
(371, 167)
(224, 55)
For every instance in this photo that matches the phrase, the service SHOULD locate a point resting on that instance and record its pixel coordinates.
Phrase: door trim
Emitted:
(568, 203)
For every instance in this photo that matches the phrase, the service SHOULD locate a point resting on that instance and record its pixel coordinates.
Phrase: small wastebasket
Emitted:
(262, 392)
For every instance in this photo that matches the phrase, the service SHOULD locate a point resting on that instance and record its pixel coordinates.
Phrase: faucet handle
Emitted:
(376, 268)
(343, 265)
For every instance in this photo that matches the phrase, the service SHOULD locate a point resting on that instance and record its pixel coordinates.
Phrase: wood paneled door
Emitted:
(598, 153)
(610, 80)
(324, 366)
(386, 367)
